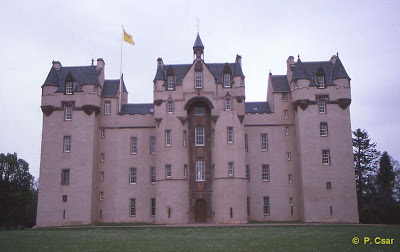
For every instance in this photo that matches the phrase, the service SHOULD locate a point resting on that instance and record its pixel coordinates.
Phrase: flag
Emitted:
(128, 38)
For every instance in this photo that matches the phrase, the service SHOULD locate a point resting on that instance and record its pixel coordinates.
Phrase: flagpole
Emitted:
(120, 76)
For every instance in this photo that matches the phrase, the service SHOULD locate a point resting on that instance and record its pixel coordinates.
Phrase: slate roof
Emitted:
(307, 70)
(181, 70)
(280, 83)
(134, 109)
(81, 74)
(257, 107)
(198, 42)
(110, 88)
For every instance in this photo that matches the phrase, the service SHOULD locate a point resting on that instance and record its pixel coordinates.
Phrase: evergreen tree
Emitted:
(15, 191)
(365, 163)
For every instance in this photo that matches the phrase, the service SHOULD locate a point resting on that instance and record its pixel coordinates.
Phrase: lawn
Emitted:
(216, 238)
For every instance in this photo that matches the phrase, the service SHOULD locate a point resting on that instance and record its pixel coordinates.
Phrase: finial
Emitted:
(92, 61)
(298, 56)
(198, 24)
(337, 54)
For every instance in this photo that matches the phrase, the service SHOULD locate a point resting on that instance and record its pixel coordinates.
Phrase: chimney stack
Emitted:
(56, 64)
(239, 59)
(160, 63)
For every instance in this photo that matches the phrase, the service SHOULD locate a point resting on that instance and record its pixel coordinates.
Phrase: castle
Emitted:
(199, 153)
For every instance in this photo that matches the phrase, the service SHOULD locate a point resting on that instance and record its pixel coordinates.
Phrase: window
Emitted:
(168, 171)
(265, 172)
(69, 88)
(68, 113)
(101, 196)
(322, 106)
(325, 157)
(320, 81)
(168, 138)
(198, 79)
(247, 173)
(152, 174)
(266, 205)
(323, 129)
(184, 138)
(170, 82)
(95, 89)
(248, 206)
(65, 177)
(64, 215)
(133, 145)
(231, 211)
(227, 103)
(152, 145)
(296, 84)
(132, 210)
(65, 198)
(331, 210)
(199, 132)
(153, 206)
(198, 110)
(107, 107)
(230, 169)
(230, 134)
(289, 156)
(132, 175)
(290, 178)
(101, 175)
(67, 144)
(242, 82)
(291, 206)
(328, 185)
(227, 80)
(200, 171)
(103, 133)
(170, 107)
(286, 113)
(284, 97)
(169, 213)
(286, 131)
(264, 142)
(185, 171)
(102, 157)
(246, 142)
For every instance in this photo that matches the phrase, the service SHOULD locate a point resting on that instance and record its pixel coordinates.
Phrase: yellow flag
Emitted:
(128, 38)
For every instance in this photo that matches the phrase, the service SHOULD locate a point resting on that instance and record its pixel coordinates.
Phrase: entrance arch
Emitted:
(200, 210)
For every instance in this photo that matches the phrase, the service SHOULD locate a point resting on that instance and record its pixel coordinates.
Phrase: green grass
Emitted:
(217, 238)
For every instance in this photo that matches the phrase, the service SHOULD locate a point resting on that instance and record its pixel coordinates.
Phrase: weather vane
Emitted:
(198, 24)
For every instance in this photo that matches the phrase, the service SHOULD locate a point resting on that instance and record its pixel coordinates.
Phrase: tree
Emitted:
(16, 185)
(365, 163)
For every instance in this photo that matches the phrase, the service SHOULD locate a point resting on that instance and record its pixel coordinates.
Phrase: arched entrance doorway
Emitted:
(200, 211)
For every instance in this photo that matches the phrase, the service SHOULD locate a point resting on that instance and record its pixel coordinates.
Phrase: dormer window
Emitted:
(227, 80)
(69, 88)
(320, 81)
(170, 82)
(198, 80)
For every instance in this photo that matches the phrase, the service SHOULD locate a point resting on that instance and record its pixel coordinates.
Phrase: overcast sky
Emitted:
(33, 33)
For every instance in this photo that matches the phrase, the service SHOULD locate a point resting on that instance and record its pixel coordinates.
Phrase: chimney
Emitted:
(160, 63)
(100, 63)
(56, 64)
(239, 59)
(333, 59)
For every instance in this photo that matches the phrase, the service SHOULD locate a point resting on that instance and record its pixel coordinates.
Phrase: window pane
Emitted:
(198, 79)
(199, 135)
(107, 107)
(227, 81)
(168, 137)
(230, 169)
(170, 82)
(199, 110)
(228, 103)
(266, 205)
(153, 145)
(133, 145)
(265, 172)
(133, 207)
(168, 171)
(153, 174)
(133, 175)
(67, 144)
(200, 171)
(230, 134)
(322, 105)
(264, 142)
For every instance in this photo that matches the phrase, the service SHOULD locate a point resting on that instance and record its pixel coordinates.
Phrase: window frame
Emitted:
(287, 131)
(68, 113)
(198, 79)
(69, 88)
(228, 103)
(198, 110)
(229, 135)
(289, 156)
(170, 82)
(185, 138)
(107, 107)
(102, 157)
(168, 138)
(101, 196)
(321, 81)
(290, 178)
(265, 173)
(227, 80)
(200, 171)
(284, 97)
(133, 176)
(246, 142)
(328, 185)
(153, 207)
(102, 133)
(264, 141)
(65, 177)
(101, 175)
(132, 207)
(266, 206)
(286, 113)
(247, 173)
(323, 129)
(326, 157)
(322, 105)
(231, 169)
(170, 107)
(67, 144)
(168, 171)
(199, 136)
(153, 145)
(134, 146)
(153, 173)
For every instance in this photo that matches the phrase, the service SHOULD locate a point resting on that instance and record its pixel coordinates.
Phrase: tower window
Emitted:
(170, 82)
(322, 106)
(132, 210)
(290, 178)
(199, 135)
(153, 206)
(323, 129)
(265, 172)
(107, 107)
(246, 142)
(200, 171)
(228, 104)
(230, 169)
(170, 107)
(168, 141)
(65, 177)
(152, 174)
(264, 142)
(227, 80)
(168, 171)
(230, 134)
(320, 81)
(198, 79)
(325, 157)
(266, 205)
(247, 172)
(69, 88)
(68, 113)
(284, 97)
(133, 145)
(286, 131)
(132, 175)
(286, 113)
(152, 145)
(248, 206)
(289, 156)
(199, 110)
(67, 144)
(328, 185)
(65, 198)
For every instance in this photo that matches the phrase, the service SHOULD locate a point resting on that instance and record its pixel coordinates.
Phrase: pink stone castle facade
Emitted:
(199, 152)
